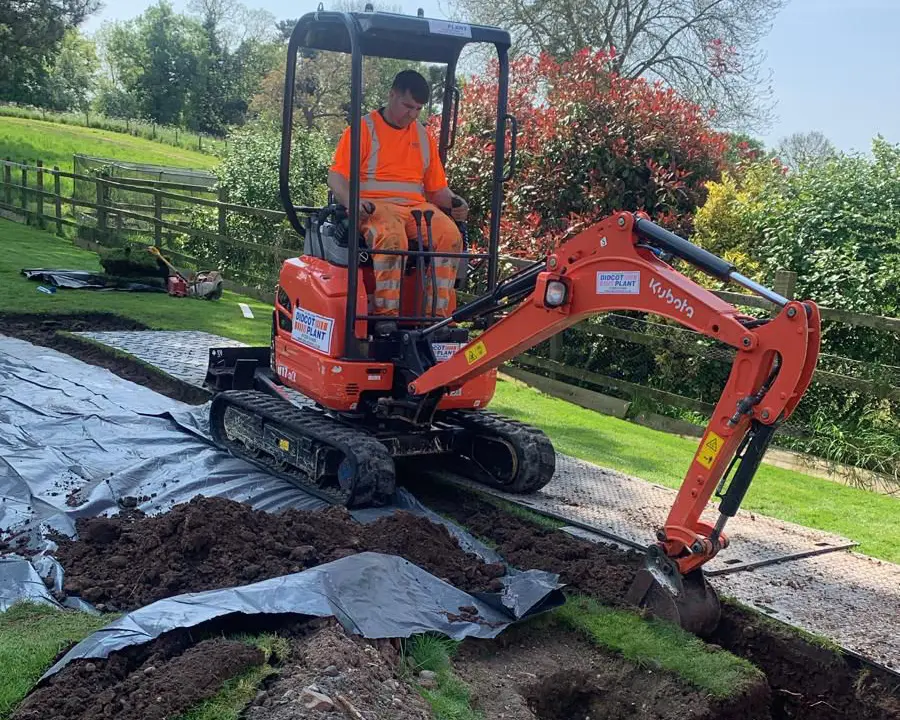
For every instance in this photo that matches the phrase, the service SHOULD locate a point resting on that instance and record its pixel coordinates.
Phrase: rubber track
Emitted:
(536, 456)
(374, 478)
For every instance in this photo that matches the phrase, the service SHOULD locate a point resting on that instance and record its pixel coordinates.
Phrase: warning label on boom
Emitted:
(710, 449)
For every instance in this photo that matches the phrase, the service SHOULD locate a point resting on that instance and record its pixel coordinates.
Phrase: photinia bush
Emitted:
(590, 143)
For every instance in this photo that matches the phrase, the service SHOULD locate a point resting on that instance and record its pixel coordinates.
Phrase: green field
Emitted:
(25, 140)
(25, 247)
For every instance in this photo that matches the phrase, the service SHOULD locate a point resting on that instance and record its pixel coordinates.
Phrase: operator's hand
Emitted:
(459, 210)
(366, 208)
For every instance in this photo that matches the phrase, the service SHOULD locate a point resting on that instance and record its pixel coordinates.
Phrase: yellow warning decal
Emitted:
(475, 353)
(284, 445)
(710, 449)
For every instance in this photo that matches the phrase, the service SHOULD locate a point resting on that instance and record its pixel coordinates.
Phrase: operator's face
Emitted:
(403, 110)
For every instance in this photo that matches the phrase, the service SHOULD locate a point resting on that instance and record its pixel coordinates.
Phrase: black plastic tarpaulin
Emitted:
(77, 441)
(370, 594)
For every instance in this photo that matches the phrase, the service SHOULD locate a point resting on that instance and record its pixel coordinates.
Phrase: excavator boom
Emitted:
(616, 265)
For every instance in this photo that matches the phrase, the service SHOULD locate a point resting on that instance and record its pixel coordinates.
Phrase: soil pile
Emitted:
(602, 571)
(150, 682)
(332, 675)
(130, 560)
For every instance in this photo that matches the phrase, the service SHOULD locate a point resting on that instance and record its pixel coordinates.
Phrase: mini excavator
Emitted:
(336, 409)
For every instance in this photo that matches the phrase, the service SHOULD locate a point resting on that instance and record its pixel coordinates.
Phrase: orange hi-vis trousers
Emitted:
(391, 227)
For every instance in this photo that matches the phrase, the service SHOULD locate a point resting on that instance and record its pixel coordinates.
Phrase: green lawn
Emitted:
(869, 518)
(26, 140)
(31, 636)
(27, 247)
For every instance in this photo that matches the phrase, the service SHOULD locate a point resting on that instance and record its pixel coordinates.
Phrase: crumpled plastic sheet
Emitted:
(84, 280)
(370, 594)
(76, 441)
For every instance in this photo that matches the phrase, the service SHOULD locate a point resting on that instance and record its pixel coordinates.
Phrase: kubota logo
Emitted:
(665, 293)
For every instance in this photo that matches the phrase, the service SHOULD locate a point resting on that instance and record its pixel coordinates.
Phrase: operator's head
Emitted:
(408, 95)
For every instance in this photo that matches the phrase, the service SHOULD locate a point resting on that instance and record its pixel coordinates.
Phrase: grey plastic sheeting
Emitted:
(75, 440)
(370, 594)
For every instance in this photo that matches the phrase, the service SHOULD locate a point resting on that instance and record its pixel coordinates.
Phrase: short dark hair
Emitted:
(412, 82)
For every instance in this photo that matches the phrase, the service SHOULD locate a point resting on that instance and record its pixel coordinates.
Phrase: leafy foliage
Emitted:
(590, 142)
(248, 174)
(30, 36)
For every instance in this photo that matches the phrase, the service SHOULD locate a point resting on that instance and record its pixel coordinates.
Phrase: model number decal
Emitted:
(287, 373)
(444, 27)
(312, 330)
(665, 293)
(475, 353)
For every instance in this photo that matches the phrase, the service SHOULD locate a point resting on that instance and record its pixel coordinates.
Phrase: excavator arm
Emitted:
(617, 265)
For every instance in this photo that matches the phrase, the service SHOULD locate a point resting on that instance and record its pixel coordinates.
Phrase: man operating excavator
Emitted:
(401, 171)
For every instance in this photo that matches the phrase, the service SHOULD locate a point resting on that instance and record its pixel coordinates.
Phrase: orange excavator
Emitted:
(337, 409)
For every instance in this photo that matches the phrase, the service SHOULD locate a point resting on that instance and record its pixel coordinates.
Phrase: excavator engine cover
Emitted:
(687, 600)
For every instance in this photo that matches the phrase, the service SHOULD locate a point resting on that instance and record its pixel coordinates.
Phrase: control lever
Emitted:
(462, 264)
(420, 261)
(433, 260)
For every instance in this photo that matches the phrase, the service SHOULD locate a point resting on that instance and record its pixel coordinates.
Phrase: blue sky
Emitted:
(835, 63)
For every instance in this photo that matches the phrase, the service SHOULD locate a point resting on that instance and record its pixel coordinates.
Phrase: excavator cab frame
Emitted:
(402, 37)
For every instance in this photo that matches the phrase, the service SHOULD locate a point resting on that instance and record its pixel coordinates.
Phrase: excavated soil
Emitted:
(601, 571)
(550, 673)
(156, 681)
(130, 560)
(48, 330)
(330, 674)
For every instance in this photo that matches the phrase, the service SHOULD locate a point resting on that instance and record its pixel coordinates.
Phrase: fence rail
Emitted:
(34, 193)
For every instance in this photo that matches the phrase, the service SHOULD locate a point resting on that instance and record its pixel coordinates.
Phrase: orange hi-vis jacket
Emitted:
(397, 166)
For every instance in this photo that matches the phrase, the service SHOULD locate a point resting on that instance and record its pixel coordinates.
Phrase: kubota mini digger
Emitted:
(331, 407)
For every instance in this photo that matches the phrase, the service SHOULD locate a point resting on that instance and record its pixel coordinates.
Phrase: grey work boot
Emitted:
(384, 327)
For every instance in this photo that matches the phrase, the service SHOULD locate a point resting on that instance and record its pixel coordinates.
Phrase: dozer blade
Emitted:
(687, 600)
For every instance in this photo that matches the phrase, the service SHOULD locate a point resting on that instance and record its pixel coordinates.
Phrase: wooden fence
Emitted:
(45, 197)
(34, 194)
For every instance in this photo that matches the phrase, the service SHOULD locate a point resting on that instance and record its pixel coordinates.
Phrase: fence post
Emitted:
(101, 205)
(223, 224)
(785, 283)
(40, 195)
(57, 192)
(7, 181)
(157, 217)
(200, 141)
(24, 193)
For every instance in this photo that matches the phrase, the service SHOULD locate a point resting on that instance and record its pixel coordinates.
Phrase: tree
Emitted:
(706, 49)
(72, 77)
(801, 151)
(30, 36)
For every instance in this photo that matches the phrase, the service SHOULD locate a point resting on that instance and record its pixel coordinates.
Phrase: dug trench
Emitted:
(805, 680)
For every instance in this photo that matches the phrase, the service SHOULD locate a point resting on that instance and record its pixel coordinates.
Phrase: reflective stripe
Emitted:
(387, 304)
(380, 263)
(391, 186)
(389, 285)
(424, 146)
(374, 146)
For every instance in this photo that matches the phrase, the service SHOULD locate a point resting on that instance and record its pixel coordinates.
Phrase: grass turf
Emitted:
(867, 517)
(660, 645)
(31, 636)
(25, 140)
(450, 698)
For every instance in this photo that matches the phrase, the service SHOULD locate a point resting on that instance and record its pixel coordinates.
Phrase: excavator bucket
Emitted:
(687, 600)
